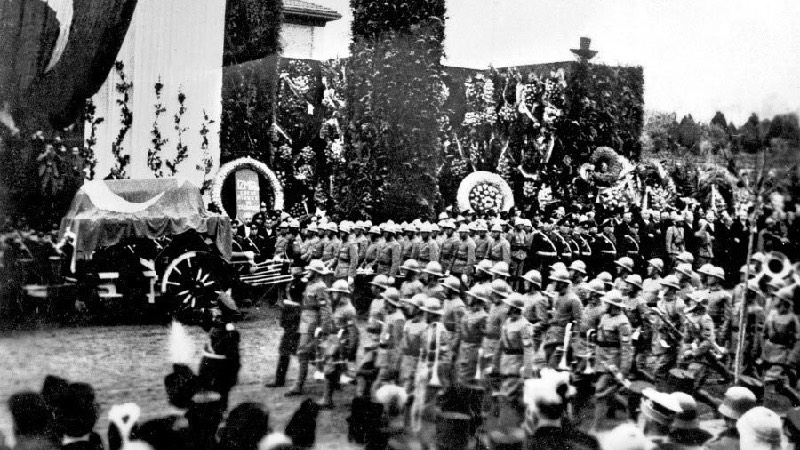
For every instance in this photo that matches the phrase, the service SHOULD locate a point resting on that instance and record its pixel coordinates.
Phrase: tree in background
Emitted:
(784, 127)
(719, 120)
(751, 137)
(252, 46)
(394, 109)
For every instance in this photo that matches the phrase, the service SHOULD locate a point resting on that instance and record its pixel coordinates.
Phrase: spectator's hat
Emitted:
(340, 286)
(316, 265)
(737, 401)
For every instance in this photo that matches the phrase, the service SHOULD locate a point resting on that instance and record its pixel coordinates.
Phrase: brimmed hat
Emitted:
(533, 277)
(737, 401)
(558, 265)
(605, 277)
(657, 263)
(391, 295)
(625, 262)
(345, 227)
(705, 269)
(412, 265)
(501, 288)
(484, 266)
(417, 301)
(687, 418)
(686, 257)
(578, 266)
(496, 227)
(380, 280)
(634, 280)
(374, 230)
(717, 272)
(432, 305)
(684, 268)
(614, 298)
(515, 300)
(463, 229)
(340, 286)
(500, 268)
(659, 406)
(560, 276)
(597, 286)
(452, 283)
(671, 281)
(316, 265)
(482, 292)
(762, 423)
(434, 268)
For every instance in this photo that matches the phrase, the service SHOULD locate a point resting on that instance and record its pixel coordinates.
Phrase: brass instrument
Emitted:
(319, 361)
(420, 387)
(591, 351)
(435, 382)
(479, 366)
(567, 336)
(776, 265)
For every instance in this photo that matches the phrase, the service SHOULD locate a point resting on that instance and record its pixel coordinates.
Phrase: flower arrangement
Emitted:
(484, 191)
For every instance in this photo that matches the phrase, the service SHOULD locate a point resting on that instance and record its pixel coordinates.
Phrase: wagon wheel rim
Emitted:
(188, 280)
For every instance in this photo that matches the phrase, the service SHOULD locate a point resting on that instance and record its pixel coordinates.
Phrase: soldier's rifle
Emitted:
(671, 328)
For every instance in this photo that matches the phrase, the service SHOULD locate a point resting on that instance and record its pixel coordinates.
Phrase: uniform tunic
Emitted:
(341, 341)
(347, 260)
(491, 333)
(447, 246)
(567, 308)
(520, 243)
(463, 257)
(500, 251)
(471, 337)
(614, 343)
(389, 258)
(562, 247)
(537, 312)
(544, 252)
(331, 250)
(782, 334)
(482, 245)
(371, 254)
(281, 242)
(318, 248)
(516, 346)
(362, 242)
(316, 312)
(428, 251)
(720, 304)
(413, 332)
(388, 361)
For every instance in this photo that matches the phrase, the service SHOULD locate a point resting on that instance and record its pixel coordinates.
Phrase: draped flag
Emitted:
(57, 53)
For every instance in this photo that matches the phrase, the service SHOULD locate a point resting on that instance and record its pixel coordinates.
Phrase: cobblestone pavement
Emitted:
(128, 363)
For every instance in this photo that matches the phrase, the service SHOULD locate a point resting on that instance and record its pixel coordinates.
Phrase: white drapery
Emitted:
(178, 42)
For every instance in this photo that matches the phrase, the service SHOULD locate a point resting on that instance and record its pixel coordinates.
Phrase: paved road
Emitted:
(128, 363)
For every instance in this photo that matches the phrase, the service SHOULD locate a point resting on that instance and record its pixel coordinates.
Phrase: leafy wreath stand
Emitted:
(252, 164)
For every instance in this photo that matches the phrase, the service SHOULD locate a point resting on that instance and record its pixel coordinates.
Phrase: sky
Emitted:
(699, 56)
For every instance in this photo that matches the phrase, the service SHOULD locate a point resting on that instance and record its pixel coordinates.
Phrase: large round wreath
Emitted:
(484, 191)
(246, 163)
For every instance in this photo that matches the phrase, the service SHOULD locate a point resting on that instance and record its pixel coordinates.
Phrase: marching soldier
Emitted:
(390, 253)
(413, 332)
(453, 311)
(519, 240)
(782, 333)
(482, 241)
(340, 340)
(720, 302)
(537, 306)
(595, 307)
(318, 248)
(346, 261)
(471, 334)
(614, 352)
(290, 322)
(516, 342)
(312, 238)
(499, 248)
(567, 308)
(483, 272)
(436, 350)
(624, 268)
(667, 328)
(389, 351)
(431, 275)
(639, 318)
(651, 286)
(543, 251)
(315, 313)
(411, 284)
(463, 258)
(428, 247)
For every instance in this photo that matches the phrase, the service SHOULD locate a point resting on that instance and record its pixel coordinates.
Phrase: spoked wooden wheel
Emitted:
(192, 280)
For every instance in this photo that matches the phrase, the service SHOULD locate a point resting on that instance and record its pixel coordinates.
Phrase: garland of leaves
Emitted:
(123, 88)
(181, 148)
(207, 162)
(154, 161)
(88, 150)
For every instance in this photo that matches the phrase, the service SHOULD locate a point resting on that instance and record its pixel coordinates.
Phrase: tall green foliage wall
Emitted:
(394, 106)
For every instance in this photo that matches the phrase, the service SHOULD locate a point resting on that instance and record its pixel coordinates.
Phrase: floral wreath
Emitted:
(246, 163)
(484, 191)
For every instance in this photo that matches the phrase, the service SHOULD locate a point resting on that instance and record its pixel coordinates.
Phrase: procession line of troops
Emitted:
(482, 312)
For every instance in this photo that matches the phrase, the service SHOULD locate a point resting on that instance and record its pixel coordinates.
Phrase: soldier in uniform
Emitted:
(537, 306)
(497, 314)
(629, 246)
(318, 248)
(516, 343)
(520, 243)
(346, 261)
(471, 334)
(651, 285)
(463, 258)
(428, 247)
(593, 310)
(411, 284)
(447, 243)
(389, 351)
(614, 352)
(282, 240)
(624, 268)
(436, 351)
(720, 302)
(373, 249)
(499, 248)
(362, 241)
(604, 249)
(666, 338)
(290, 322)
(639, 316)
(737, 401)
(340, 340)
(389, 254)
(753, 327)
(453, 310)
(482, 241)
(431, 275)
(567, 308)
(580, 236)
(411, 345)
(315, 313)
(562, 245)
(312, 238)
(782, 333)
(330, 251)
(543, 252)
(410, 242)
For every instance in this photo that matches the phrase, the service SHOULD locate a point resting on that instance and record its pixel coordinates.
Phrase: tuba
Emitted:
(776, 265)
(591, 350)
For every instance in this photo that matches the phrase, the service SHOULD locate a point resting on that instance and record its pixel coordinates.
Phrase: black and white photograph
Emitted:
(399, 224)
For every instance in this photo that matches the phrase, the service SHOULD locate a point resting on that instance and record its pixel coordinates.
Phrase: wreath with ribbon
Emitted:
(484, 191)
(246, 163)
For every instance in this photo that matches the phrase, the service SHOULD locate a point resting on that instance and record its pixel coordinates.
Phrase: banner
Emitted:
(248, 194)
